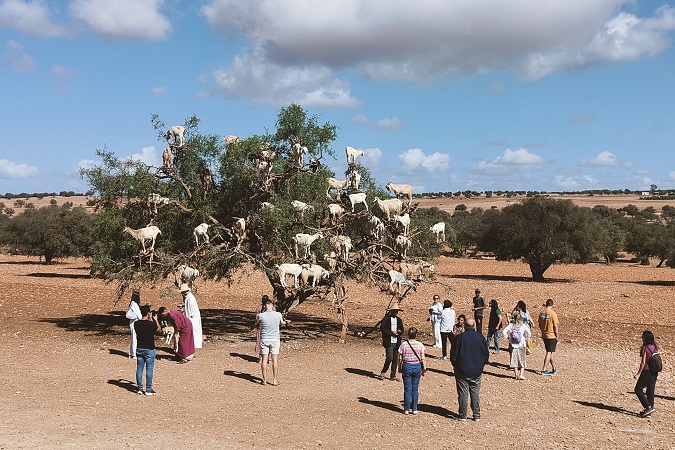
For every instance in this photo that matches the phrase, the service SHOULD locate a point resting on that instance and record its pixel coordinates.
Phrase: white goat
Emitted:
(176, 133)
(396, 277)
(314, 271)
(289, 269)
(201, 231)
(167, 157)
(268, 155)
(299, 153)
(375, 226)
(403, 220)
(355, 180)
(267, 205)
(335, 211)
(342, 244)
(336, 184)
(410, 270)
(187, 274)
(352, 153)
(301, 208)
(239, 229)
(425, 265)
(359, 197)
(154, 201)
(402, 244)
(231, 139)
(331, 259)
(144, 234)
(304, 241)
(401, 190)
(264, 169)
(439, 230)
(389, 206)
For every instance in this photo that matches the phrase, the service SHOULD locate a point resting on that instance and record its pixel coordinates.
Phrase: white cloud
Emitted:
(62, 75)
(582, 119)
(510, 162)
(415, 159)
(31, 17)
(576, 183)
(390, 124)
(360, 119)
(602, 159)
(148, 155)
(8, 169)
(87, 164)
(17, 58)
(125, 20)
(158, 91)
(371, 158)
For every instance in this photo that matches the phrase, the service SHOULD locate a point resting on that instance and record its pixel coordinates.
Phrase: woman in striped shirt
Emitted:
(410, 363)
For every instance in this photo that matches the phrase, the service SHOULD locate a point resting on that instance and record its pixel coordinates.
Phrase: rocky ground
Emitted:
(68, 382)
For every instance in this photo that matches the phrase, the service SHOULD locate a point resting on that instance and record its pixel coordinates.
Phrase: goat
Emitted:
(144, 234)
(342, 244)
(403, 220)
(299, 153)
(239, 228)
(335, 211)
(316, 272)
(424, 265)
(336, 184)
(402, 244)
(176, 133)
(305, 241)
(201, 230)
(401, 189)
(396, 277)
(264, 169)
(390, 205)
(187, 274)
(331, 259)
(167, 157)
(355, 180)
(206, 177)
(231, 139)
(410, 270)
(439, 230)
(355, 199)
(352, 153)
(289, 269)
(375, 226)
(170, 334)
(267, 205)
(268, 155)
(154, 200)
(301, 208)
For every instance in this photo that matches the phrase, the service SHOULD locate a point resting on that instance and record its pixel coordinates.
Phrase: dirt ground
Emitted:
(69, 384)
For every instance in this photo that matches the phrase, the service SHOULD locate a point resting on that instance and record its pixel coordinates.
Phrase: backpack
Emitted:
(517, 335)
(655, 363)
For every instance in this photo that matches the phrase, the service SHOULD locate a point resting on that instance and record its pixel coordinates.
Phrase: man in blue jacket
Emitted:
(468, 356)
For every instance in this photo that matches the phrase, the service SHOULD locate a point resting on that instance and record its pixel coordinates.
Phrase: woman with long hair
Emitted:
(646, 381)
(134, 314)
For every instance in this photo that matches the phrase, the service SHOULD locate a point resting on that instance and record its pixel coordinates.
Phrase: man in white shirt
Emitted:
(269, 322)
(191, 311)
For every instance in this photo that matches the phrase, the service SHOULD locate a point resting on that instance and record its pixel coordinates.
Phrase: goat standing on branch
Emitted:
(439, 230)
(304, 241)
(144, 234)
(352, 153)
(201, 231)
(175, 133)
(389, 206)
(401, 190)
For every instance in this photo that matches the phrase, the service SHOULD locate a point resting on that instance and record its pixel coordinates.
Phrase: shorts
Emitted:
(270, 346)
(550, 344)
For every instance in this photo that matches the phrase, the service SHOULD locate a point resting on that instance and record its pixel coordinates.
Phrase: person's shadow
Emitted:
(363, 373)
(605, 407)
(242, 375)
(124, 384)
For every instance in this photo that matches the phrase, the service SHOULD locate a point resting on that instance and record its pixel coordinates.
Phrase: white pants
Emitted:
(436, 330)
(132, 344)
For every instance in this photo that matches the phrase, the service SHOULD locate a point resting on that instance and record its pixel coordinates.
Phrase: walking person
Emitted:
(146, 329)
(411, 363)
(646, 378)
(435, 319)
(494, 324)
(391, 328)
(447, 324)
(478, 310)
(269, 321)
(134, 314)
(469, 356)
(191, 311)
(518, 333)
(521, 308)
(186, 338)
(548, 325)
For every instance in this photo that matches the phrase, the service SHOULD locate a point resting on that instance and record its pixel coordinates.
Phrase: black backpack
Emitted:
(655, 363)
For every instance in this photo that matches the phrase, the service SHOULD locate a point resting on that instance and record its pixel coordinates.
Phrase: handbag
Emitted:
(424, 369)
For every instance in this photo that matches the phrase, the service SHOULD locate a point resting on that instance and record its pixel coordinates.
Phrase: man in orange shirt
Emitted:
(548, 324)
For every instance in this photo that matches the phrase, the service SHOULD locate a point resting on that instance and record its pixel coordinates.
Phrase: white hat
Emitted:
(184, 287)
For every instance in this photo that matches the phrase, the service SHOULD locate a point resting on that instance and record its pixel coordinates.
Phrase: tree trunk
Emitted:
(537, 269)
(339, 302)
(48, 258)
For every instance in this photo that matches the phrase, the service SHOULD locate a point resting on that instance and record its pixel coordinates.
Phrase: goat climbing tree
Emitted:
(255, 179)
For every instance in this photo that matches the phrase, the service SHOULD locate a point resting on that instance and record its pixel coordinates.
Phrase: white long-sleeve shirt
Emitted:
(524, 332)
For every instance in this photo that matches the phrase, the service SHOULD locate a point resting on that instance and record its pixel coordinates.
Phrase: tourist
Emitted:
(391, 328)
(459, 326)
(469, 355)
(183, 327)
(269, 321)
(191, 311)
(478, 310)
(410, 363)
(447, 323)
(435, 319)
(517, 333)
(259, 309)
(494, 324)
(645, 379)
(521, 308)
(146, 328)
(548, 325)
(134, 314)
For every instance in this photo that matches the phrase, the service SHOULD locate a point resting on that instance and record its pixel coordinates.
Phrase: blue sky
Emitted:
(541, 95)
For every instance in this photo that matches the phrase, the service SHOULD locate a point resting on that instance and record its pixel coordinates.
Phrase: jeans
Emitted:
(493, 333)
(411, 382)
(646, 380)
(145, 358)
(445, 337)
(390, 354)
(468, 386)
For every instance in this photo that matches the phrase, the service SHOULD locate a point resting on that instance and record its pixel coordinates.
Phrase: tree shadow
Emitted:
(380, 404)
(58, 275)
(124, 384)
(363, 373)
(114, 351)
(605, 407)
(509, 278)
(653, 283)
(249, 358)
(113, 323)
(441, 372)
(243, 376)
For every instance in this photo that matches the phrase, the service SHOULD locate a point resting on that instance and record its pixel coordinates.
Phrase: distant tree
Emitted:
(542, 231)
(630, 209)
(653, 188)
(461, 207)
(53, 202)
(9, 211)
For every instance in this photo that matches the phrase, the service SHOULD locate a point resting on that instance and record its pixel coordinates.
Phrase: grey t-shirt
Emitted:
(269, 324)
